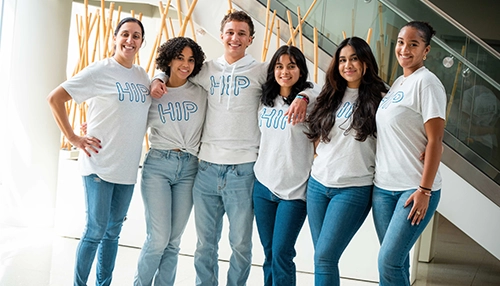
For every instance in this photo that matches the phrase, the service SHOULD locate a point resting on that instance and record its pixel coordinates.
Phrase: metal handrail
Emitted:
(443, 45)
(462, 28)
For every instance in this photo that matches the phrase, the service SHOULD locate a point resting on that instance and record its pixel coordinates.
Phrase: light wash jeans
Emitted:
(335, 215)
(106, 208)
(220, 189)
(279, 223)
(396, 234)
(166, 186)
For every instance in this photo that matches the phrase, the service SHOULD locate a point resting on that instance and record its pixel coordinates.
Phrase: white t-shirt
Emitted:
(401, 115)
(176, 119)
(344, 161)
(285, 154)
(118, 100)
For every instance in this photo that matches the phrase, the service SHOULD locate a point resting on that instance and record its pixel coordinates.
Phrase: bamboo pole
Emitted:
(454, 89)
(267, 41)
(179, 12)
(380, 45)
(118, 16)
(344, 35)
(230, 7)
(369, 36)
(315, 55)
(86, 33)
(96, 40)
(263, 55)
(290, 27)
(278, 35)
(303, 20)
(102, 53)
(301, 42)
(109, 29)
(188, 16)
(132, 13)
(171, 26)
(191, 24)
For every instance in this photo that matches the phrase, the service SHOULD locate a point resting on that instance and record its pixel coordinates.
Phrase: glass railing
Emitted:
(469, 71)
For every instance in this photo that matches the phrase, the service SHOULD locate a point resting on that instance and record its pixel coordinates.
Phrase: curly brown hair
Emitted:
(173, 48)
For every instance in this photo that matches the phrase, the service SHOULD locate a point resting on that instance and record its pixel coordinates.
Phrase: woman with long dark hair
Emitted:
(282, 166)
(342, 126)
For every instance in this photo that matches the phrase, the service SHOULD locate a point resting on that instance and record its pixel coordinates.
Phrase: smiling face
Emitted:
(181, 67)
(286, 73)
(350, 67)
(235, 38)
(128, 40)
(411, 49)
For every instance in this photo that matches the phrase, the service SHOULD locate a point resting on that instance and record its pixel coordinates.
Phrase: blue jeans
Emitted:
(279, 223)
(166, 185)
(396, 234)
(335, 214)
(106, 208)
(220, 189)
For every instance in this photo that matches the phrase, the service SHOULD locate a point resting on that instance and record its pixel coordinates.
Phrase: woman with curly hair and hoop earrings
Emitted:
(282, 166)
(176, 121)
(117, 92)
(410, 120)
(342, 126)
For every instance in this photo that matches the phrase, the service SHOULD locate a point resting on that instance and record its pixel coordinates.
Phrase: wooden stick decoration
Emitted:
(96, 40)
(102, 53)
(278, 35)
(267, 41)
(188, 17)
(302, 21)
(369, 36)
(263, 56)
(290, 27)
(191, 24)
(109, 30)
(316, 55)
(86, 33)
(344, 35)
(118, 16)
(171, 25)
(179, 12)
(230, 7)
(301, 43)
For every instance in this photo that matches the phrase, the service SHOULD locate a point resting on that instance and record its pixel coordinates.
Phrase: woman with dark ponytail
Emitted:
(410, 120)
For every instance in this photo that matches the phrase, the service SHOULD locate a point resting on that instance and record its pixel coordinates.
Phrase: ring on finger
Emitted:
(418, 213)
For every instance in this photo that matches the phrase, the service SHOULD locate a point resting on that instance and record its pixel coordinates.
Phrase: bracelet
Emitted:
(427, 189)
(427, 193)
(303, 97)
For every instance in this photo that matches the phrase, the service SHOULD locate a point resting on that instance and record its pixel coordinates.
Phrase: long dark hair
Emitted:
(271, 89)
(322, 118)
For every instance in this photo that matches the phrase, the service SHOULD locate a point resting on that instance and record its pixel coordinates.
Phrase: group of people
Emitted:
(238, 137)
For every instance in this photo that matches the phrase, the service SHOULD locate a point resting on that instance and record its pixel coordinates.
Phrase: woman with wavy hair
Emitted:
(342, 126)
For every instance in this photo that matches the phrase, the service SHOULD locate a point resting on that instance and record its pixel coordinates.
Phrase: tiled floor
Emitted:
(37, 257)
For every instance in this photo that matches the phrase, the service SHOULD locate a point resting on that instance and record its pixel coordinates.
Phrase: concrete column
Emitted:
(34, 44)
